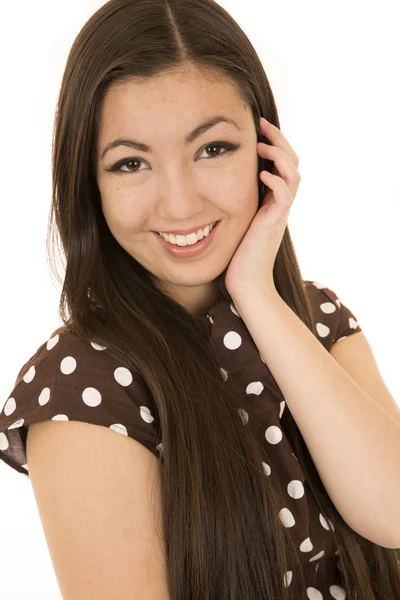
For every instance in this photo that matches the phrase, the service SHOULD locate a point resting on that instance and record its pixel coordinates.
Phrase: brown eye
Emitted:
(134, 160)
(214, 146)
(127, 162)
(220, 145)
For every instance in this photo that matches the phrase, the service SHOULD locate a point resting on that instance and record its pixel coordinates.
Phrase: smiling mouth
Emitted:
(189, 250)
(191, 236)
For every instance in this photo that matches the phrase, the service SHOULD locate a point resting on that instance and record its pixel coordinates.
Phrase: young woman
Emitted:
(245, 428)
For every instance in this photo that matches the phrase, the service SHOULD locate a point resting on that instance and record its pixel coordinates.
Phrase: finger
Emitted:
(283, 163)
(275, 135)
(282, 193)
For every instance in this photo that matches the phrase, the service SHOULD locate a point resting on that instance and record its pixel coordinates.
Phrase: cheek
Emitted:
(241, 178)
(120, 222)
(121, 212)
(238, 196)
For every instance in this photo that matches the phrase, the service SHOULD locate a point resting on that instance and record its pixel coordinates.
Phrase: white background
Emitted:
(333, 69)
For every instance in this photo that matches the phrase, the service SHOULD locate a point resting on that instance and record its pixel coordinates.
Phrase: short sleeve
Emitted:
(334, 320)
(70, 379)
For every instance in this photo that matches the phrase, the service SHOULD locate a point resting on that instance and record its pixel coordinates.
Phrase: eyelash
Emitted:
(229, 148)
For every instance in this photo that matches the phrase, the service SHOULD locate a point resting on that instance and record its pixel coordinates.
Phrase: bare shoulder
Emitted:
(99, 499)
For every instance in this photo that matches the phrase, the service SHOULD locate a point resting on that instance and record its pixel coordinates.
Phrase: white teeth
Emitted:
(188, 240)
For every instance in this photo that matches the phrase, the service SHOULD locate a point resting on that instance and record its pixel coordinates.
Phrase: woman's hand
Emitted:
(251, 267)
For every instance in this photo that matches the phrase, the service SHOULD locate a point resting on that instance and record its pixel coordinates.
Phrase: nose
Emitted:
(181, 204)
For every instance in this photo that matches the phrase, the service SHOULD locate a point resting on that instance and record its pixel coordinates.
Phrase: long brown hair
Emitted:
(211, 464)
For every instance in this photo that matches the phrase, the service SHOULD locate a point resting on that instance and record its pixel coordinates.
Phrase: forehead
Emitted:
(171, 97)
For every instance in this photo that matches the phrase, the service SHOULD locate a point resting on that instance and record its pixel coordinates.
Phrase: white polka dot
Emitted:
(68, 365)
(10, 406)
(306, 546)
(262, 359)
(119, 428)
(255, 387)
(328, 308)
(60, 418)
(210, 319)
(337, 592)
(322, 330)
(160, 448)
(319, 286)
(295, 489)
(232, 340)
(353, 323)
(146, 414)
(44, 396)
(273, 435)
(3, 442)
(317, 556)
(123, 376)
(52, 342)
(29, 375)
(287, 578)
(287, 517)
(224, 373)
(282, 408)
(16, 424)
(314, 594)
(323, 522)
(243, 415)
(266, 468)
(331, 524)
(97, 346)
(234, 310)
(91, 396)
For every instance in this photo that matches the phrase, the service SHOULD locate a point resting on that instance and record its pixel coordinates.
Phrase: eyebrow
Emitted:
(200, 129)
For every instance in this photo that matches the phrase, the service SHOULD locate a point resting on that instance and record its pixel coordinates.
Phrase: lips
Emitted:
(187, 231)
(211, 228)
(191, 250)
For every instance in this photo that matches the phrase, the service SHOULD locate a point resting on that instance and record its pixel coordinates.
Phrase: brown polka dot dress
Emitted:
(69, 379)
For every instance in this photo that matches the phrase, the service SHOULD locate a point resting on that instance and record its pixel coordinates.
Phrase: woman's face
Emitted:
(174, 184)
